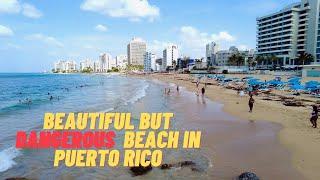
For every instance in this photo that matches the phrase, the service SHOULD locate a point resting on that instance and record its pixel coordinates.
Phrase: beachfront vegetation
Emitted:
(87, 70)
(134, 67)
(113, 69)
(304, 58)
(236, 60)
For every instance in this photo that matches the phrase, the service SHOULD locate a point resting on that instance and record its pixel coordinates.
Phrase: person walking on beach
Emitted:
(314, 116)
(203, 90)
(177, 88)
(197, 83)
(251, 102)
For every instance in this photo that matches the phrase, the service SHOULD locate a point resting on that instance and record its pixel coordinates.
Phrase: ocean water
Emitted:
(26, 97)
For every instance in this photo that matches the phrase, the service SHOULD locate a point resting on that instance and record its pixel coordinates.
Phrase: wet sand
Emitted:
(236, 146)
(272, 147)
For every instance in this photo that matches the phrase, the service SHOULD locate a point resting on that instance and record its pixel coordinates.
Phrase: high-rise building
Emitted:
(96, 66)
(121, 61)
(65, 66)
(170, 56)
(149, 62)
(86, 64)
(290, 31)
(211, 49)
(136, 50)
(105, 62)
(222, 57)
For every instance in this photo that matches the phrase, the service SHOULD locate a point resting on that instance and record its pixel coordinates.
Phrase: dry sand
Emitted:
(297, 135)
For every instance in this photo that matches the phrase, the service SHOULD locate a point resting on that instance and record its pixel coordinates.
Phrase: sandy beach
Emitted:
(296, 134)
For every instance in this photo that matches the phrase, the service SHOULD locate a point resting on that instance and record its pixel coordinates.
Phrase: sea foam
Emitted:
(138, 95)
(6, 158)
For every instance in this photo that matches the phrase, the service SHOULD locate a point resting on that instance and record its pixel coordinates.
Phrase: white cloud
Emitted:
(5, 31)
(30, 11)
(13, 46)
(9, 6)
(14, 7)
(158, 46)
(101, 28)
(194, 41)
(45, 39)
(243, 47)
(134, 10)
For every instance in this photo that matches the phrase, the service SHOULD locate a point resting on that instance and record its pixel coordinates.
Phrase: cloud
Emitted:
(194, 40)
(45, 39)
(14, 7)
(101, 28)
(30, 11)
(134, 10)
(158, 46)
(13, 46)
(10, 6)
(5, 31)
(243, 47)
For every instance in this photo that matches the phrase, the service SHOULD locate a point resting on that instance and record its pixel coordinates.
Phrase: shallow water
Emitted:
(229, 145)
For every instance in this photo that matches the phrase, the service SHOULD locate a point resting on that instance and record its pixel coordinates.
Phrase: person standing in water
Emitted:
(314, 116)
(251, 102)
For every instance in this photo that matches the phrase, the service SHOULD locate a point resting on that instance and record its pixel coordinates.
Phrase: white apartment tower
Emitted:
(170, 55)
(136, 50)
(86, 64)
(105, 62)
(149, 62)
(211, 49)
(121, 61)
(290, 31)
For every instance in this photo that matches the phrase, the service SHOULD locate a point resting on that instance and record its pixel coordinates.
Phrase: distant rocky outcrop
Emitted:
(140, 170)
(190, 164)
(248, 176)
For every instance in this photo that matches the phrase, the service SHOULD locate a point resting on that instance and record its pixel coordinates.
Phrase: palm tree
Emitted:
(240, 59)
(232, 61)
(260, 59)
(236, 60)
(305, 58)
(251, 63)
(274, 59)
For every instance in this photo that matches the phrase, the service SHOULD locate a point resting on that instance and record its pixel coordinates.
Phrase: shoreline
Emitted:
(296, 133)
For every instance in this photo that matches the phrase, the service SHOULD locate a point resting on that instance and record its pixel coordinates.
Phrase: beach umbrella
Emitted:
(297, 87)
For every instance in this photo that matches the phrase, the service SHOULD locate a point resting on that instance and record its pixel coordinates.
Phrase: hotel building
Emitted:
(170, 56)
(105, 62)
(86, 64)
(290, 31)
(65, 66)
(149, 62)
(136, 50)
(211, 50)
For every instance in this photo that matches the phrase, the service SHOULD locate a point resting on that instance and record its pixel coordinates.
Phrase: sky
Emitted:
(36, 33)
